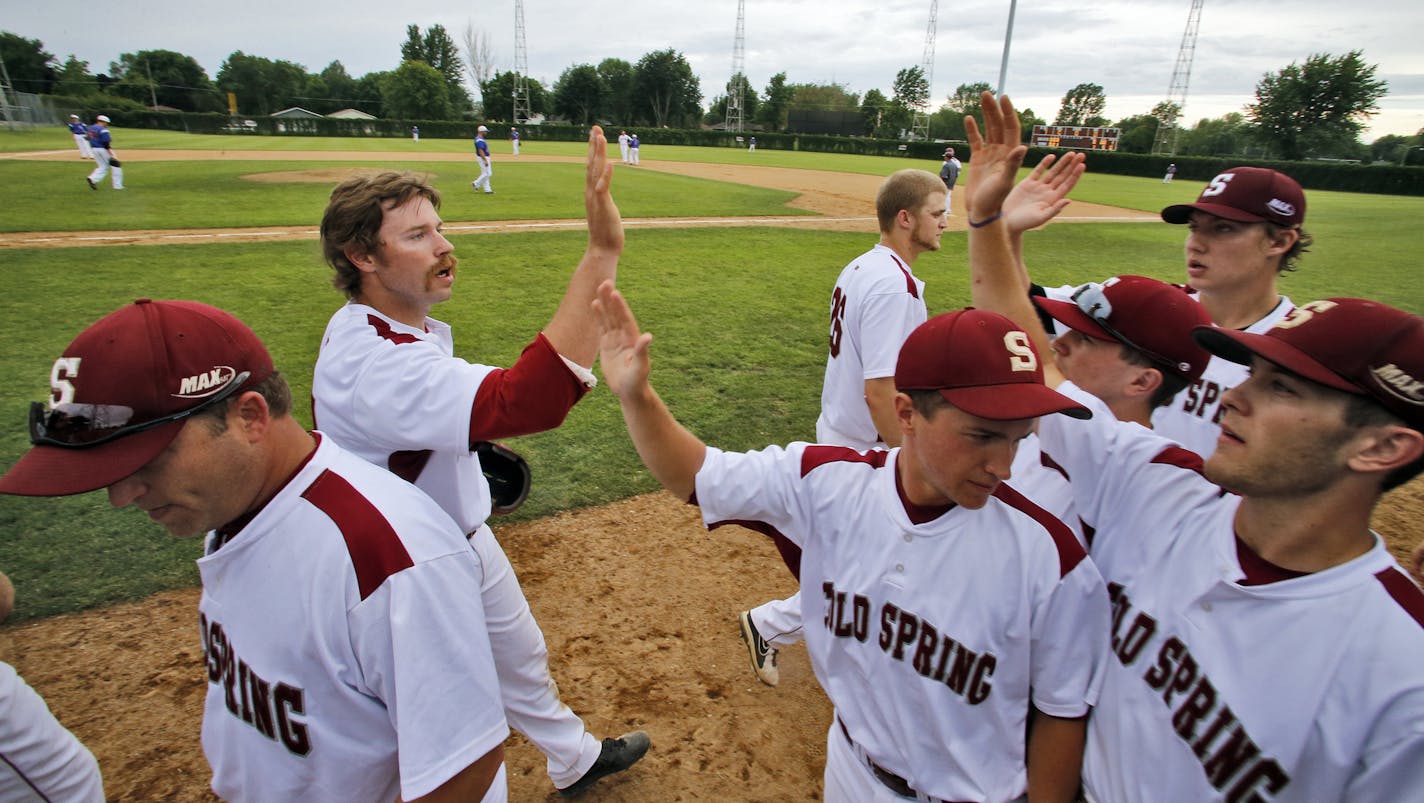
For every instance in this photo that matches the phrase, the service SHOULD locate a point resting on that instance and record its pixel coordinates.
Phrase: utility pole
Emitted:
(735, 92)
(1008, 38)
(152, 95)
(1166, 140)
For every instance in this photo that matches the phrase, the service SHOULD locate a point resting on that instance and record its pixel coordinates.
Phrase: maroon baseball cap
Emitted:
(1247, 195)
(1350, 344)
(982, 363)
(1153, 317)
(123, 388)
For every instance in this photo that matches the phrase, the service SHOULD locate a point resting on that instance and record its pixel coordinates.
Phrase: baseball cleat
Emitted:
(762, 654)
(617, 755)
(92, 185)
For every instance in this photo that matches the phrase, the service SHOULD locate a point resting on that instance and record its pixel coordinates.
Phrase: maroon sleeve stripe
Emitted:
(909, 279)
(385, 331)
(790, 553)
(533, 395)
(816, 456)
(1179, 457)
(1404, 592)
(1049, 463)
(376, 551)
(1070, 552)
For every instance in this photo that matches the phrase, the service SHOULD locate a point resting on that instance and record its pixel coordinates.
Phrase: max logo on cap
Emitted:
(206, 383)
(1399, 384)
(1281, 208)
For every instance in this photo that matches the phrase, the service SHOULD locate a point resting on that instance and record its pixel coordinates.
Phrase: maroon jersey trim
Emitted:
(1404, 592)
(816, 456)
(533, 395)
(1070, 552)
(375, 549)
(386, 332)
(909, 278)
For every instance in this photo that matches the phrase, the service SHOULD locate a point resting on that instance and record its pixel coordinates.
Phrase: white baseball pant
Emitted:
(101, 169)
(521, 661)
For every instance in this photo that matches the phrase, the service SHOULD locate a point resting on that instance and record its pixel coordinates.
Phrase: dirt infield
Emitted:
(637, 602)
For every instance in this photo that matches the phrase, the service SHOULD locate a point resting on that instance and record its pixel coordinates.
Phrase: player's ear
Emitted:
(1384, 448)
(251, 415)
(361, 258)
(1281, 239)
(905, 412)
(1144, 383)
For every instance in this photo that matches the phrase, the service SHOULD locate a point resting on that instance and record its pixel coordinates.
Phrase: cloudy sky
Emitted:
(1129, 48)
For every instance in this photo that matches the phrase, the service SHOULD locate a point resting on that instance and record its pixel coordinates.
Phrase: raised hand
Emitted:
(1043, 193)
(623, 349)
(605, 224)
(995, 156)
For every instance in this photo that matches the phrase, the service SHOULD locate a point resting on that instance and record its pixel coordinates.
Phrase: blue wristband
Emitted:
(981, 224)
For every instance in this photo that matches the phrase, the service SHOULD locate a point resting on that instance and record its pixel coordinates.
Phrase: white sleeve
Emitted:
(1384, 771)
(761, 487)
(1115, 468)
(396, 396)
(1070, 631)
(886, 320)
(434, 671)
(39, 758)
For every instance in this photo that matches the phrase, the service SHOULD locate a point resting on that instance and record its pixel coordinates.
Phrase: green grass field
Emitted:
(737, 313)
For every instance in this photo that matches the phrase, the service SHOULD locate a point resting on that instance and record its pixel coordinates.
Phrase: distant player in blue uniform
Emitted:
(482, 155)
(633, 149)
(81, 136)
(514, 140)
(101, 141)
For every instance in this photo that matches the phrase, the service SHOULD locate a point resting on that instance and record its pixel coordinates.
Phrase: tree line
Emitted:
(1315, 109)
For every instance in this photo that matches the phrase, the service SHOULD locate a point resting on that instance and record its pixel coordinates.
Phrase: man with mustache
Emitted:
(389, 387)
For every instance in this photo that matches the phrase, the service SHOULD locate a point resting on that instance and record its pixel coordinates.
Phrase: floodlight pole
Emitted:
(1008, 38)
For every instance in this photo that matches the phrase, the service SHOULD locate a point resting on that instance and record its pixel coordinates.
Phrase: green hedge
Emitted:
(1382, 179)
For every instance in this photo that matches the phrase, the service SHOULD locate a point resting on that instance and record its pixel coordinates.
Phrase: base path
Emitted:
(842, 201)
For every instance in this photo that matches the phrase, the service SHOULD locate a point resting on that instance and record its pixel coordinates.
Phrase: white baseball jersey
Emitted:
(1227, 682)
(343, 635)
(398, 397)
(876, 304)
(932, 638)
(39, 758)
(1193, 419)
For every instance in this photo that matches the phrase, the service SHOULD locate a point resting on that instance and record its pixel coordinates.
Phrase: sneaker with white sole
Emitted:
(617, 755)
(762, 654)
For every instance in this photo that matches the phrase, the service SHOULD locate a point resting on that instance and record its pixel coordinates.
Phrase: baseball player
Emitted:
(415, 133)
(101, 143)
(1243, 232)
(388, 386)
(633, 149)
(877, 301)
(514, 140)
(1171, 173)
(1265, 645)
(751, 146)
(623, 140)
(81, 137)
(343, 631)
(933, 663)
(39, 758)
(949, 174)
(482, 155)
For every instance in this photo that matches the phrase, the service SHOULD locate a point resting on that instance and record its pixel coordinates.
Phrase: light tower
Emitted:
(522, 112)
(920, 128)
(1166, 139)
(735, 95)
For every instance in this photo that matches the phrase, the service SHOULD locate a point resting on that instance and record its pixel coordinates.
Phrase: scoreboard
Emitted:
(1079, 137)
